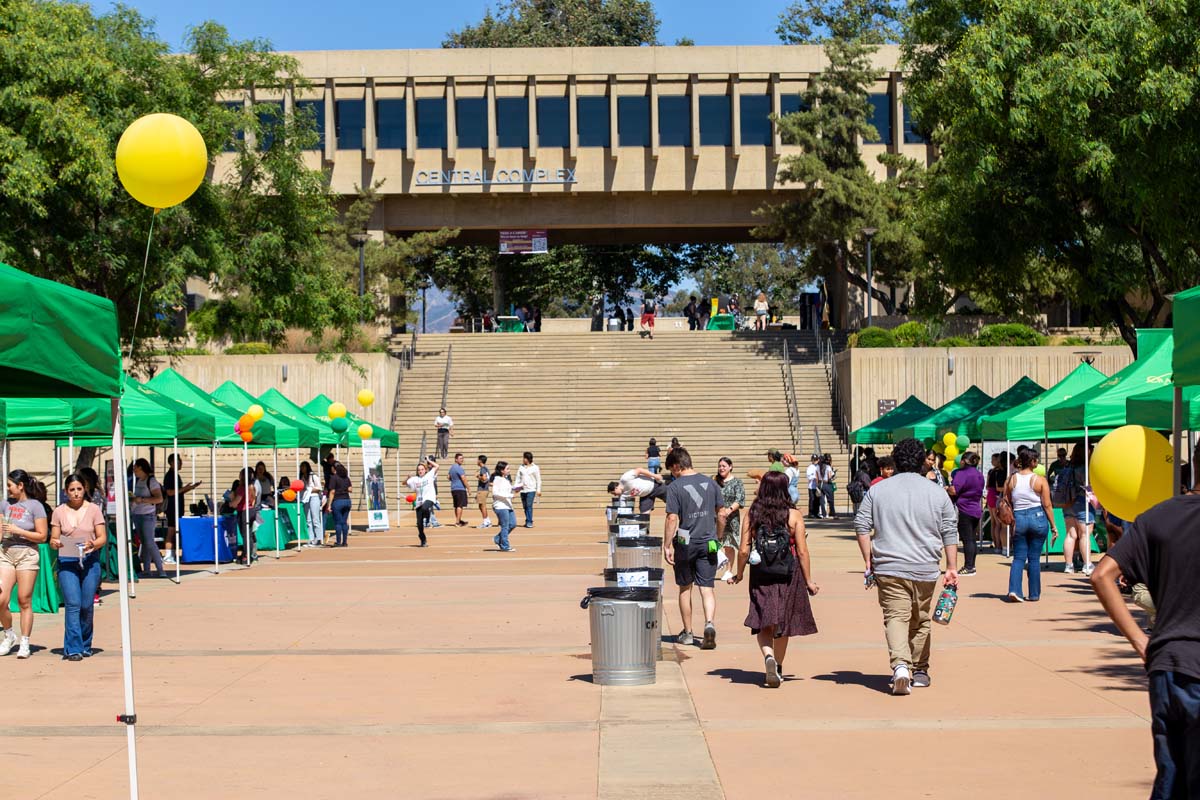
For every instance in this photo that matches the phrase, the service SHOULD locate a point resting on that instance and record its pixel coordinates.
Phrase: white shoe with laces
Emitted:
(1088, 569)
(901, 680)
(8, 642)
(23, 651)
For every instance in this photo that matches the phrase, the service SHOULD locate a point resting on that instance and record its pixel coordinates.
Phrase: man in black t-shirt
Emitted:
(690, 541)
(1162, 550)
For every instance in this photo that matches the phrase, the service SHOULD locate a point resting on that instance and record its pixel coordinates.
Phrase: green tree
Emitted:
(1067, 139)
(562, 23)
(748, 269)
(73, 81)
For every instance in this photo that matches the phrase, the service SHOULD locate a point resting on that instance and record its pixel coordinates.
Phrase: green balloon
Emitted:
(963, 442)
(339, 424)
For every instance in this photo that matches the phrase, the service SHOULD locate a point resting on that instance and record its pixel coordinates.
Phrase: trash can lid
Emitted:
(637, 594)
(628, 518)
(640, 541)
(653, 573)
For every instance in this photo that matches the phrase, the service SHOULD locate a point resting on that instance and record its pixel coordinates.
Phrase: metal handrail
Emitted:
(829, 359)
(446, 376)
(424, 445)
(789, 388)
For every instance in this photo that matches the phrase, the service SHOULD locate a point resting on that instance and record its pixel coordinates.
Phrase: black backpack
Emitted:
(775, 549)
(1064, 490)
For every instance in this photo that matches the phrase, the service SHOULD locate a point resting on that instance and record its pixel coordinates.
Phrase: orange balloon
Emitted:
(289, 495)
(246, 421)
(247, 437)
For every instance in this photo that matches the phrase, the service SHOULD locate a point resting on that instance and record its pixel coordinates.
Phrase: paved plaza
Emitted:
(384, 670)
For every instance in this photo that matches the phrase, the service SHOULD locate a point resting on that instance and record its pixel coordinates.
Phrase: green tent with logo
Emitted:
(1102, 408)
(319, 407)
(1027, 421)
(880, 431)
(1156, 408)
(1020, 392)
(275, 400)
(178, 388)
(946, 417)
(288, 433)
(1185, 360)
(150, 418)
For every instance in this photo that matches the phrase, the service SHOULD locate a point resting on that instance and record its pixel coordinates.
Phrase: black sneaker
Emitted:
(710, 638)
(920, 679)
(966, 572)
(74, 657)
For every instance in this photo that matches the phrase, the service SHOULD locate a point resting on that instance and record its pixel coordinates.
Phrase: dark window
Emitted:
(553, 122)
(238, 134)
(633, 121)
(314, 110)
(472, 121)
(270, 120)
(791, 104)
(675, 120)
(756, 119)
(391, 124)
(431, 123)
(880, 115)
(912, 130)
(716, 124)
(351, 118)
(512, 121)
(593, 121)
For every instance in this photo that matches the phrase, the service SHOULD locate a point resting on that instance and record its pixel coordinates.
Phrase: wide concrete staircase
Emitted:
(586, 404)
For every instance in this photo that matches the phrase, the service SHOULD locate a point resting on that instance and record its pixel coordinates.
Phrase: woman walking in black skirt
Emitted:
(774, 546)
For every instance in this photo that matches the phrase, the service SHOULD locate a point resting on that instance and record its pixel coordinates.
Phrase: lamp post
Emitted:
(870, 234)
(360, 239)
(424, 304)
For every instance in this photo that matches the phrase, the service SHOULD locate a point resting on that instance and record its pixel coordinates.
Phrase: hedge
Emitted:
(1009, 334)
(249, 349)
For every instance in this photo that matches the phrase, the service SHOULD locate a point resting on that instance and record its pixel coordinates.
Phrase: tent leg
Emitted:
(246, 501)
(275, 469)
(215, 511)
(1192, 458)
(4, 455)
(119, 459)
(178, 544)
(130, 715)
(1008, 534)
(299, 515)
(1177, 437)
(57, 497)
(71, 453)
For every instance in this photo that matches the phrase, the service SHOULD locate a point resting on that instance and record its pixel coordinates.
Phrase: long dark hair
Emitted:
(24, 480)
(305, 471)
(717, 477)
(770, 509)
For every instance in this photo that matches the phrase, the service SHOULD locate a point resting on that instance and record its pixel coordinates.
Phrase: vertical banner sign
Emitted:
(515, 242)
(377, 515)
(110, 490)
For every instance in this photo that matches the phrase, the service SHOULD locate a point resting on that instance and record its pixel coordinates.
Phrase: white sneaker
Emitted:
(8, 642)
(1088, 569)
(1070, 569)
(23, 651)
(487, 523)
(168, 559)
(728, 576)
(901, 680)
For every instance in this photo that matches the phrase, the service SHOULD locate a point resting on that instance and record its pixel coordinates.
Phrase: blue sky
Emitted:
(375, 25)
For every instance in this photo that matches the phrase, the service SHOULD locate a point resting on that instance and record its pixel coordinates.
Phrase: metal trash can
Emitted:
(624, 626)
(621, 507)
(633, 525)
(638, 551)
(634, 577)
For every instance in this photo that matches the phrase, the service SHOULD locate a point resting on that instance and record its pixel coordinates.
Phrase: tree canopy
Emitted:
(562, 23)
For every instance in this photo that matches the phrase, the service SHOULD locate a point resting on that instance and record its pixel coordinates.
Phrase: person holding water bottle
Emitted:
(78, 533)
(913, 522)
(23, 529)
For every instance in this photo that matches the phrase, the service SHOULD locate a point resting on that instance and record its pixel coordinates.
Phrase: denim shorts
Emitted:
(1081, 510)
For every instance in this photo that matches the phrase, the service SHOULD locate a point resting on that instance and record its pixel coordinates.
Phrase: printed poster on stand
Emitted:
(377, 513)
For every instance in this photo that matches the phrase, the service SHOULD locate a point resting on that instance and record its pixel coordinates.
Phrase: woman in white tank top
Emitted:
(1033, 516)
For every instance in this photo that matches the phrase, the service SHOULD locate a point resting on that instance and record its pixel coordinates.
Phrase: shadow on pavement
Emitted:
(878, 683)
(740, 676)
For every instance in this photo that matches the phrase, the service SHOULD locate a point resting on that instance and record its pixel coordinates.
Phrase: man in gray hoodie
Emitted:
(913, 522)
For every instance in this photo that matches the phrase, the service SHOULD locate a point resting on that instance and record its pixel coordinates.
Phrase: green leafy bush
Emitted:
(249, 349)
(874, 337)
(956, 341)
(913, 334)
(1009, 334)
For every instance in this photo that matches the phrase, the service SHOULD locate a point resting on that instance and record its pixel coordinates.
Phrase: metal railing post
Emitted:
(446, 376)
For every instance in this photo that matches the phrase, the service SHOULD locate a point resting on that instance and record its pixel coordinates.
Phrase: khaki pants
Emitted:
(1142, 599)
(907, 607)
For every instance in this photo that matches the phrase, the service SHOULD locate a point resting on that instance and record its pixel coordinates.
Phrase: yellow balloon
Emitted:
(951, 452)
(255, 412)
(366, 397)
(365, 431)
(161, 160)
(950, 439)
(1131, 470)
(336, 410)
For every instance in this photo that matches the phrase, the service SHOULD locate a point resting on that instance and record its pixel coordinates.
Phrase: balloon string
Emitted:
(141, 286)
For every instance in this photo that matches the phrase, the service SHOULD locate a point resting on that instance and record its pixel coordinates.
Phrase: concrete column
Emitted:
(533, 136)
(897, 112)
(410, 120)
(330, 121)
(289, 102)
(776, 109)
(573, 117)
(735, 105)
(694, 101)
(451, 121)
(248, 103)
(369, 141)
(491, 118)
(654, 116)
(613, 141)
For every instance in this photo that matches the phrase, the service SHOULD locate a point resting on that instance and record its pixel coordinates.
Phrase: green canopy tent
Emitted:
(1027, 421)
(48, 418)
(1185, 359)
(1156, 408)
(880, 431)
(319, 407)
(1020, 392)
(946, 417)
(274, 399)
(60, 342)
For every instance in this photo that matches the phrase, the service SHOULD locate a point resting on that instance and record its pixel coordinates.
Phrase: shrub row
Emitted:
(919, 334)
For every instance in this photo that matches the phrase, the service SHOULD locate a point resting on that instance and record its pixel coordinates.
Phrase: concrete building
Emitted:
(592, 145)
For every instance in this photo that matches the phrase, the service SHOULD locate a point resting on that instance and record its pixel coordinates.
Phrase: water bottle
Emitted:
(944, 609)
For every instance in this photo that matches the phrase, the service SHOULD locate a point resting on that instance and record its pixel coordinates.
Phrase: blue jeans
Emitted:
(143, 526)
(315, 519)
(341, 519)
(1029, 536)
(1175, 724)
(78, 581)
(1081, 510)
(508, 521)
(654, 465)
(527, 504)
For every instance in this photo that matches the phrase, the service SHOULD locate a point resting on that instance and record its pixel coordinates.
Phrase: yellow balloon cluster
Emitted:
(336, 410)
(1131, 470)
(366, 397)
(365, 431)
(161, 160)
(255, 412)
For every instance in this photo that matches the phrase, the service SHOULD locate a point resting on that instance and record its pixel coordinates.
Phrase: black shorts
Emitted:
(460, 497)
(694, 564)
